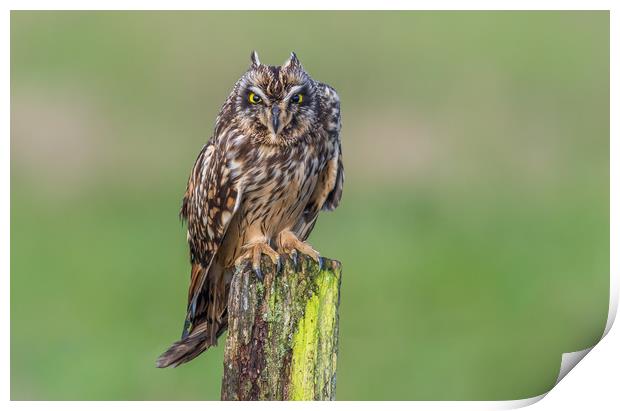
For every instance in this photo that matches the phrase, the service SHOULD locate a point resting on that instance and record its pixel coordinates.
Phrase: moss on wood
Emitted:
(282, 341)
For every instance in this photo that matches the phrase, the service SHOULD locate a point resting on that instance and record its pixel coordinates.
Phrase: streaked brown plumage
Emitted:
(273, 163)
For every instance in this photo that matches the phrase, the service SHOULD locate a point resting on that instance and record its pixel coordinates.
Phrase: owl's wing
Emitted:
(210, 201)
(333, 198)
(328, 190)
(332, 125)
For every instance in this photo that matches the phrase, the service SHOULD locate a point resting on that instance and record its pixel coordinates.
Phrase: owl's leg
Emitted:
(254, 251)
(288, 243)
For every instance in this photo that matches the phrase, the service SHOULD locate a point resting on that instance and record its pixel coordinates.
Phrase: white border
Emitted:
(578, 386)
(313, 5)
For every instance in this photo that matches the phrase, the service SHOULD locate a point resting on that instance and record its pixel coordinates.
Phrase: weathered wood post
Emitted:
(282, 339)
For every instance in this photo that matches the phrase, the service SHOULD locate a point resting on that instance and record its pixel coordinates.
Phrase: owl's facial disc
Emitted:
(278, 104)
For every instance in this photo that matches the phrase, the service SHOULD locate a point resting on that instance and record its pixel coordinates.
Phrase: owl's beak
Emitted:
(275, 118)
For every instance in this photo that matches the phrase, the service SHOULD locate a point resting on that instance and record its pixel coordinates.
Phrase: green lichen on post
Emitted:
(283, 333)
(314, 356)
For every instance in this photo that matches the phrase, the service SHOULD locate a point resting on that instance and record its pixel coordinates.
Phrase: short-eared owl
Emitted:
(257, 186)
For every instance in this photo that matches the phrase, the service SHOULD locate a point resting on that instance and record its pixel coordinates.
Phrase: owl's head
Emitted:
(276, 105)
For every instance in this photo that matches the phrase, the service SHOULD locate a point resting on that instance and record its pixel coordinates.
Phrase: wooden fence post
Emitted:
(282, 339)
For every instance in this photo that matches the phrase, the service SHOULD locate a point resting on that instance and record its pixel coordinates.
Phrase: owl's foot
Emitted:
(253, 252)
(288, 243)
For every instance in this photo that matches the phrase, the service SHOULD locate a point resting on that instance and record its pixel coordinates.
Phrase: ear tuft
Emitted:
(293, 61)
(254, 59)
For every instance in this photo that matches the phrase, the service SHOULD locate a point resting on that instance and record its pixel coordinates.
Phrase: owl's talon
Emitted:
(254, 252)
(279, 265)
(295, 259)
(288, 242)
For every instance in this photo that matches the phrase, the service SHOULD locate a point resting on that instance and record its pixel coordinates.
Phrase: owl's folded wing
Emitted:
(334, 196)
(332, 124)
(210, 201)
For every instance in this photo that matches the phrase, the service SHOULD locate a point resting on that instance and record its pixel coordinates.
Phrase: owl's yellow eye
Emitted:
(297, 98)
(254, 99)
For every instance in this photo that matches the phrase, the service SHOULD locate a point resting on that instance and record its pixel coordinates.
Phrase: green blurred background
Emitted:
(474, 228)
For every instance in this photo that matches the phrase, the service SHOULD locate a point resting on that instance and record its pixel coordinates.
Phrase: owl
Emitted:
(274, 161)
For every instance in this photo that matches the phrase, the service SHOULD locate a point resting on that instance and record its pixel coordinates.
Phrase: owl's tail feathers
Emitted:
(186, 349)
